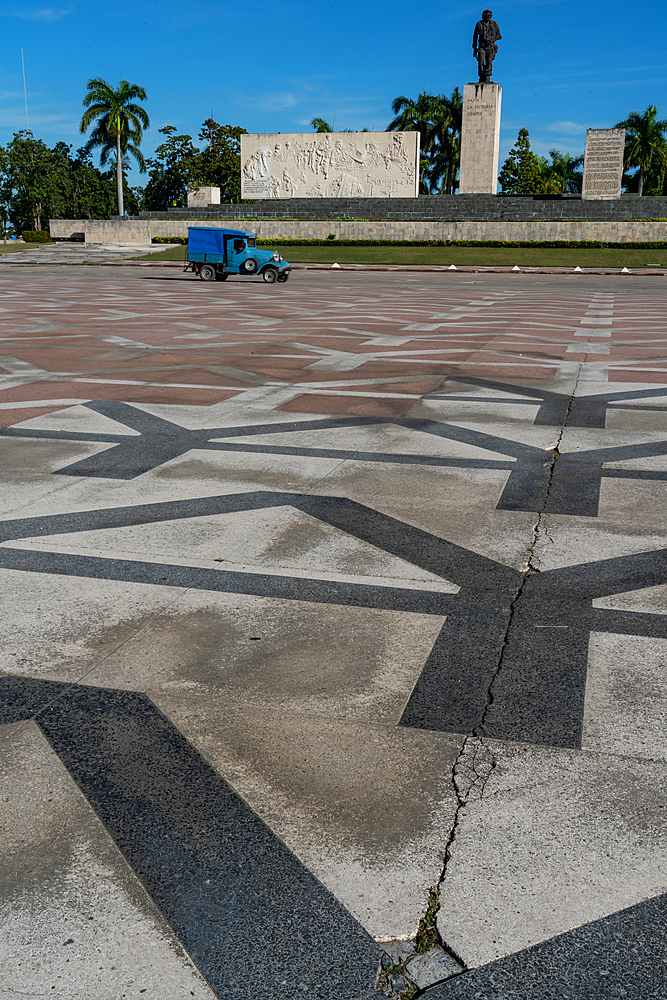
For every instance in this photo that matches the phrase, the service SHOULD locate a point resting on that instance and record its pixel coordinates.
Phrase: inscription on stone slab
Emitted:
(480, 138)
(603, 163)
(330, 165)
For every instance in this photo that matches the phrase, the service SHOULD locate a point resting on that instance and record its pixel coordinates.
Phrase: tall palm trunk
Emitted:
(119, 176)
(640, 187)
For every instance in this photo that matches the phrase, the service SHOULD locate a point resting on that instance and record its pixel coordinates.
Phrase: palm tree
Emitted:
(645, 145)
(321, 125)
(445, 141)
(438, 119)
(417, 116)
(119, 124)
(411, 115)
(562, 175)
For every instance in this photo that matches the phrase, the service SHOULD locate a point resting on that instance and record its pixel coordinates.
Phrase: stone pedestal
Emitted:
(480, 138)
(203, 197)
(603, 164)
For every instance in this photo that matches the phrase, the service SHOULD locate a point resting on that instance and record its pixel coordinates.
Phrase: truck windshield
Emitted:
(251, 241)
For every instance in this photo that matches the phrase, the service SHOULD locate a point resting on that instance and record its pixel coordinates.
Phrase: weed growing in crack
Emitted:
(427, 935)
(387, 984)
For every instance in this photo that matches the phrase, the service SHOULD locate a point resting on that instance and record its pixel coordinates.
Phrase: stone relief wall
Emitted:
(330, 165)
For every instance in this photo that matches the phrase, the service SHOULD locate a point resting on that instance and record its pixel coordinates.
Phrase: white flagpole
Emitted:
(25, 92)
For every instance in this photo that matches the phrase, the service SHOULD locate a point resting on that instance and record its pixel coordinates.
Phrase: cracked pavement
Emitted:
(316, 684)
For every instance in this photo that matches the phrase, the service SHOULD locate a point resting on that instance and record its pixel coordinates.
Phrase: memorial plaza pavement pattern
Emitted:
(318, 598)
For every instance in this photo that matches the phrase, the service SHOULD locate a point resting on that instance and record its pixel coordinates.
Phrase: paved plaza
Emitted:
(320, 602)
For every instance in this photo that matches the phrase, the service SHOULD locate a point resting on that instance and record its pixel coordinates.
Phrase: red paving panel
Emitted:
(18, 415)
(141, 336)
(623, 375)
(93, 389)
(349, 406)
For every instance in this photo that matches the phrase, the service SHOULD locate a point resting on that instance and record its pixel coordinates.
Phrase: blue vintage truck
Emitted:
(214, 254)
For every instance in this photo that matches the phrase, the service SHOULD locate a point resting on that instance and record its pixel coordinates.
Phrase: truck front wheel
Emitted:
(207, 272)
(270, 274)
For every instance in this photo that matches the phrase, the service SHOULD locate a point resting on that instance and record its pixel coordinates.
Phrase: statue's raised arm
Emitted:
(484, 47)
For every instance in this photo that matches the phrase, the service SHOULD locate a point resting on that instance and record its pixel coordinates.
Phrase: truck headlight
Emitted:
(276, 255)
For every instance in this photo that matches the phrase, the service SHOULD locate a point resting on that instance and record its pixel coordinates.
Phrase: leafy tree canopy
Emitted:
(38, 184)
(521, 172)
(561, 175)
(438, 119)
(179, 164)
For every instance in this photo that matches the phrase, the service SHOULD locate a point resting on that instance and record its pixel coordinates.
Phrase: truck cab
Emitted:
(214, 254)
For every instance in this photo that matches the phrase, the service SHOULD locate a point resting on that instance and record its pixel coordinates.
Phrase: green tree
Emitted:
(444, 142)
(34, 181)
(561, 175)
(417, 116)
(438, 119)
(4, 201)
(175, 167)
(322, 125)
(38, 184)
(90, 193)
(119, 124)
(179, 165)
(221, 158)
(646, 148)
(521, 172)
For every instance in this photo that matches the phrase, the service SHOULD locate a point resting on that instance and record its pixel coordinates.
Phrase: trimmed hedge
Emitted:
(36, 236)
(545, 244)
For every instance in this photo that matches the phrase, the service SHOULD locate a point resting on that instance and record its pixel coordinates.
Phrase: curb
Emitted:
(390, 268)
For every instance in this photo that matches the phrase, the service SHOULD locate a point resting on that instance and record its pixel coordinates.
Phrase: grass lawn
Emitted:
(14, 247)
(482, 256)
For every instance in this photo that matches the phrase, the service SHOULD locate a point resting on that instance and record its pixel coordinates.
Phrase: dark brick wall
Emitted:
(435, 208)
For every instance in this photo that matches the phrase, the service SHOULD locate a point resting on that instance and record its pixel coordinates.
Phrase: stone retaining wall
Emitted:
(143, 230)
(437, 208)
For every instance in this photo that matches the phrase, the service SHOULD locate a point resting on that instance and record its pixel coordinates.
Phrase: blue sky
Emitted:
(272, 66)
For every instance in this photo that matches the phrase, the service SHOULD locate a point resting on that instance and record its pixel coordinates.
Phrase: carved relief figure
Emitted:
(289, 187)
(484, 47)
(258, 167)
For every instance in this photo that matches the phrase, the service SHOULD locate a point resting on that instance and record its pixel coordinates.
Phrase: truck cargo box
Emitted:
(201, 240)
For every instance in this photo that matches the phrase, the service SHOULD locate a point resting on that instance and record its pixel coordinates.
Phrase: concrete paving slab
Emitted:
(539, 831)
(76, 920)
(366, 808)
(430, 665)
(626, 700)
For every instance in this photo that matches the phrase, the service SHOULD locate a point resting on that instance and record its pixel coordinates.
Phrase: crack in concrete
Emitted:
(476, 761)
(466, 776)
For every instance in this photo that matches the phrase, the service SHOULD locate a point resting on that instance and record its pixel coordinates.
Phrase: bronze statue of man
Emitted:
(484, 47)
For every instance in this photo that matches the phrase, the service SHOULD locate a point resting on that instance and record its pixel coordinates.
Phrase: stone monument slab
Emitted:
(203, 196)
(330, 165)
(480, 138)
(603, 163)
